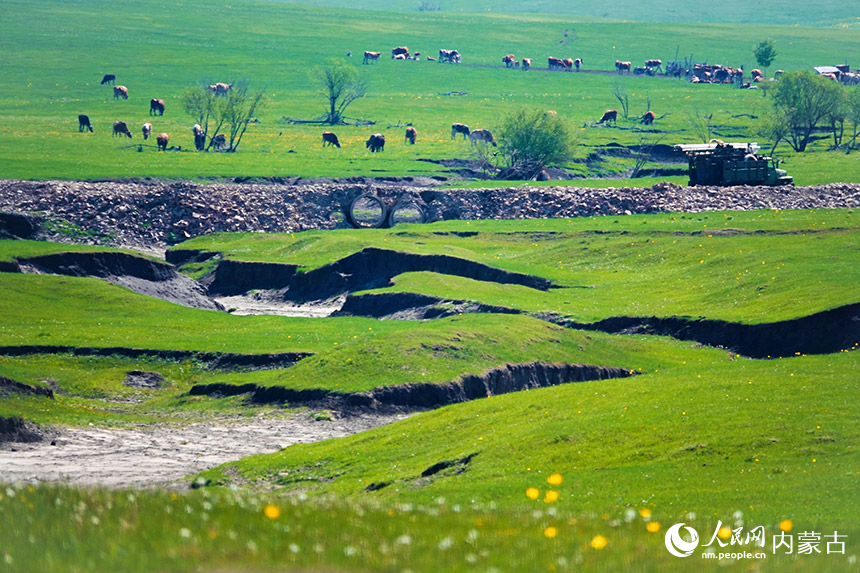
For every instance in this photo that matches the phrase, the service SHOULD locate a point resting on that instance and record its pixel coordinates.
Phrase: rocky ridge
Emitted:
(147, 215)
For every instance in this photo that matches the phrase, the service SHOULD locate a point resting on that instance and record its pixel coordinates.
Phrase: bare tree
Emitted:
(701, 124)
(231, 112)
(620, 93)
(341, 85)
(643, 156)
(240, 108)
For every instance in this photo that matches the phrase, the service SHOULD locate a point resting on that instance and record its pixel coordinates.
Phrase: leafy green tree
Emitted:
(530, 140)
(765, 54)
(802, 101)
(341, 85)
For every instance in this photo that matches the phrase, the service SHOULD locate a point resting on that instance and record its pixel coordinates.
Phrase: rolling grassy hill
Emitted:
(59, 51)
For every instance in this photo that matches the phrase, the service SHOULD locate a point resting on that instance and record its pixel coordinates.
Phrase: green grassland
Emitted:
(698, 432)
(57, 54)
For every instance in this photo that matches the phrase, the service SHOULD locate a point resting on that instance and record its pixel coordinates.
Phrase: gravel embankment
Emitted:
(151, 215)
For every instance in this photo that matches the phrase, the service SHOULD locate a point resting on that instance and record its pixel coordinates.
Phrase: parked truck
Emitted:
(719, 163)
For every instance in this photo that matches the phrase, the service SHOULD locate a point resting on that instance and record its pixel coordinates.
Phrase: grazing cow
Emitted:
(109, 79)
(778, 73)
(542, 176)
(330, 138)
(648, 118)
(199, 137)
(411, 134)
(120, 129)
(84, 123)
(482, 135)
(568, 63)
(400, 51)
(622, 66)
(161, 141)
(577, 63)
(156, 107)
(120, 92)
(756, 73)
(555, 63)
(459, 128)
(527, 63)
(147, 130)
(376, 143)
(219, 142)
(370, 57)
(609, 116)
(450, 56)
(654, 64)
(220, 88)
(509, 60)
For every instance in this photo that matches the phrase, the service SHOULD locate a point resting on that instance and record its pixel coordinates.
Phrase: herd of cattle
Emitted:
(156, 107)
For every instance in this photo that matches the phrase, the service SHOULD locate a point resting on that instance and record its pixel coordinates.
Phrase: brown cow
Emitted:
(459, 128)
(509, 60)
(120, 129)
(527, 63)
(84, 123)
(609, 116)
(219, 142)
(622, 66)
(376, 143)
(161, 141)
(554, 63)
(648, 118)
(656, 64)
(542, 176)
(400, 51)
(401, 57)
(756, 73)
(156, 107)
(147, 130)
(120, 92)
(568, 63)
(577, 63)
(220, 88)
(411, 134)
(778, 73)
(109, 79)
(330, 138)
(482, 135)
(370, 57)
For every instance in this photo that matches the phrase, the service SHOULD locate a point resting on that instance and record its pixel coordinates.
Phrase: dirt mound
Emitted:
(19, 430)
(142, 379)
(8, 387)
(142, 275)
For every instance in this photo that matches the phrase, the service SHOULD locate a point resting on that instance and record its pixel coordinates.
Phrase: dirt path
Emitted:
(161, 455)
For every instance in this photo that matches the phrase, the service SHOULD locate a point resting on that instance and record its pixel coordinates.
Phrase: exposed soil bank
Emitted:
(19, 430)
(142, 275)
(155, 214)
(821, 333)
(501, 380)
(367, 269)
(8, 387)
(219, 360)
